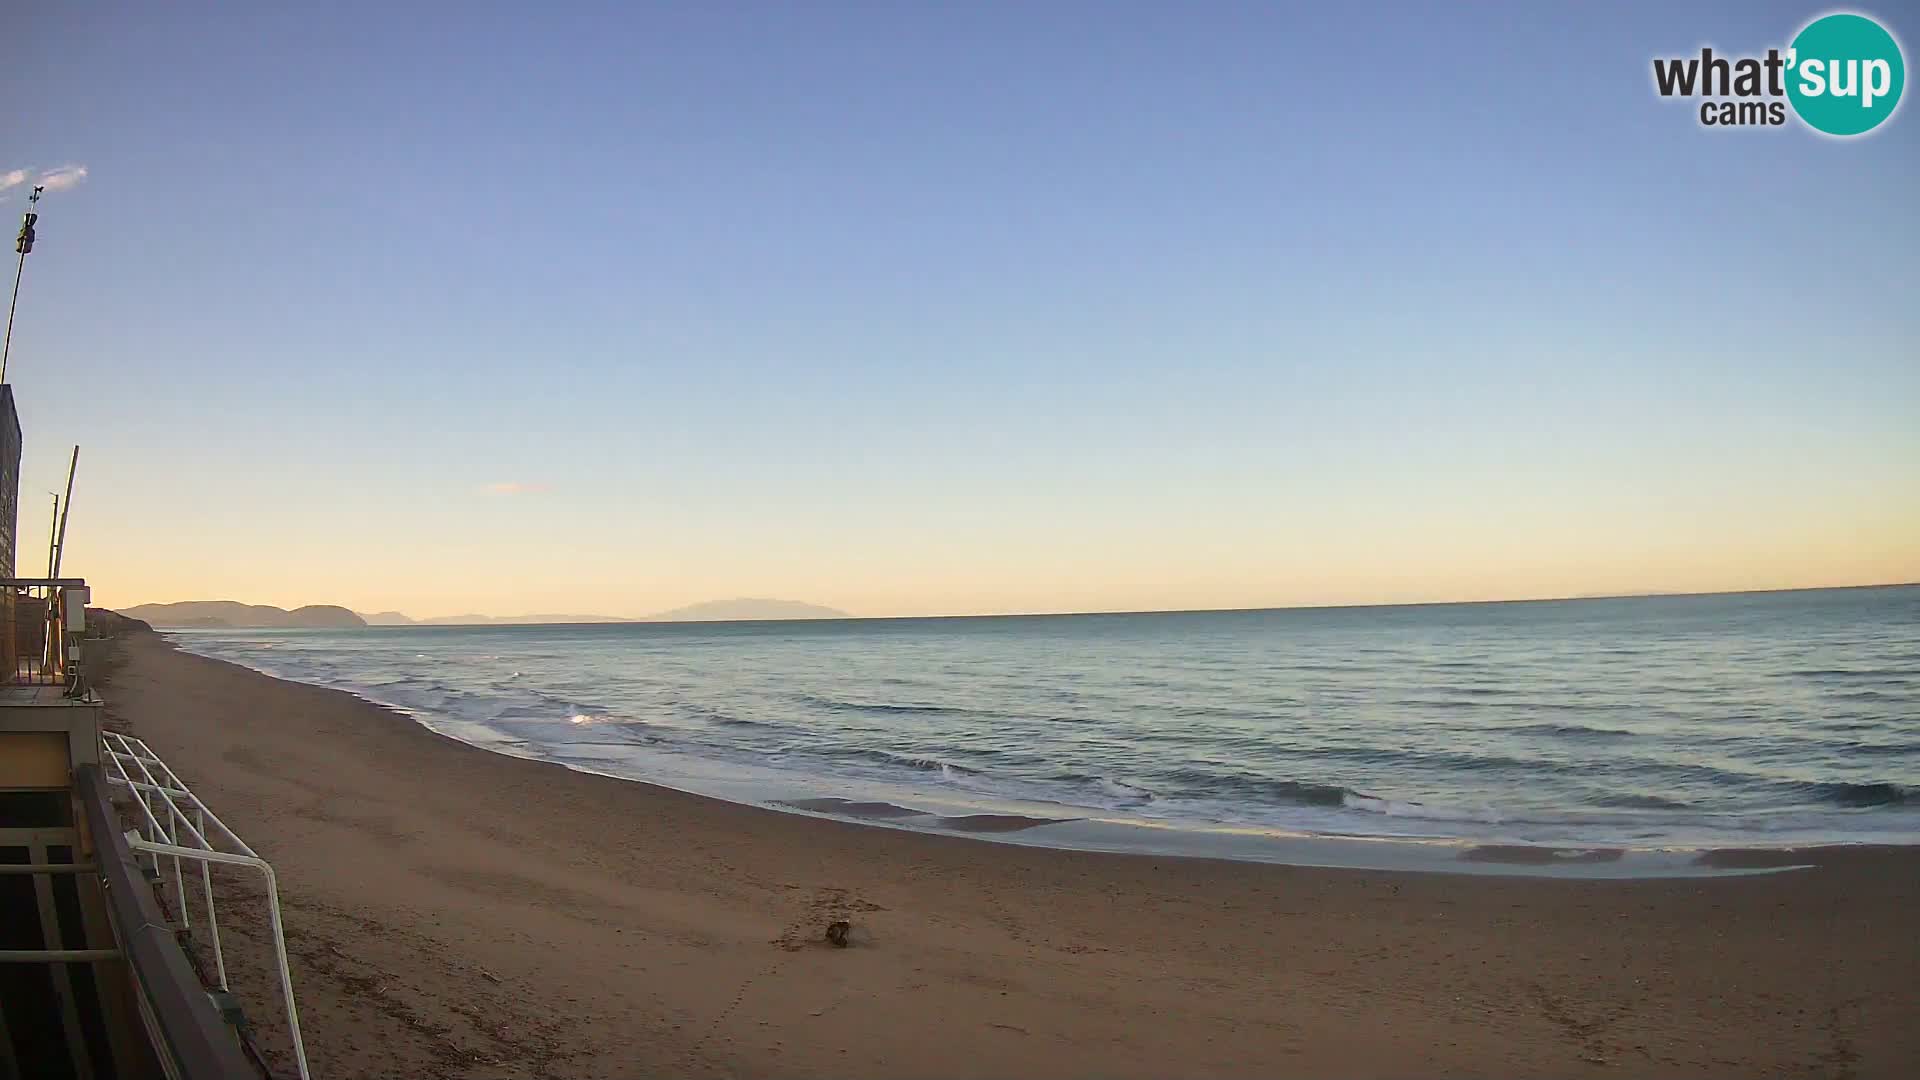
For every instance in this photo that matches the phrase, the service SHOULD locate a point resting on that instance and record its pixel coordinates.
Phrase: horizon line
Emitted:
(606, 620)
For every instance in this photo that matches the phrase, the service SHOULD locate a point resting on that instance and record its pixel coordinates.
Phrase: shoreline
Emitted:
(1074, 827)
(456, 912)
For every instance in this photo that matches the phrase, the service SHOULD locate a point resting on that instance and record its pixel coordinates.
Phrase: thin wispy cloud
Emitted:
(64, 178)
(512, 487)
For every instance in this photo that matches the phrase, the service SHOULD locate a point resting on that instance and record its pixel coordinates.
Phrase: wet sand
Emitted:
(459, 913)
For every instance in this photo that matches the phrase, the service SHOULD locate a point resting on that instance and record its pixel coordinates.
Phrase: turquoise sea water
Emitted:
(1755, 719)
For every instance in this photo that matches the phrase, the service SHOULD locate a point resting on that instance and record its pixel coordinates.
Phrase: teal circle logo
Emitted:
(1845, 74)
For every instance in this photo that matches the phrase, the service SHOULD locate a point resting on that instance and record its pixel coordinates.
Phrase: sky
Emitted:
(916, 309)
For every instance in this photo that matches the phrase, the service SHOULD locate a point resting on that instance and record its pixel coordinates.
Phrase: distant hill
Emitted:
(229, 614)
(747, 608)
(221, 614)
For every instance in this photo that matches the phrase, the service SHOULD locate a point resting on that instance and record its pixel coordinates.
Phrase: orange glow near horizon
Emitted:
(1049, 566)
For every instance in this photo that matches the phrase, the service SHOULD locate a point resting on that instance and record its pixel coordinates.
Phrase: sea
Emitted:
(1649, 723)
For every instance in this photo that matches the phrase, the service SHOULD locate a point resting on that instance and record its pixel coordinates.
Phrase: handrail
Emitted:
(183, 837)
(184, 1023)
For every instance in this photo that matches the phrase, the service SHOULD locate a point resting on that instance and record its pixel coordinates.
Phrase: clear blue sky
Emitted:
(997, 307)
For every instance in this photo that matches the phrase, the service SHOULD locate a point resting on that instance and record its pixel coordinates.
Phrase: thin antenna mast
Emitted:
(22, 244)
(66, 507)
(53, 530)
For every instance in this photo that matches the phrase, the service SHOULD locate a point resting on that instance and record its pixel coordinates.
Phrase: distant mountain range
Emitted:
(746, 608)
(229, 614)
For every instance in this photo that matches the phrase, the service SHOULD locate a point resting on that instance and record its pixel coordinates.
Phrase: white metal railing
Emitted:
(175, 828)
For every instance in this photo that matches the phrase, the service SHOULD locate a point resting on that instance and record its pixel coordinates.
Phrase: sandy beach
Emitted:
(458, 913)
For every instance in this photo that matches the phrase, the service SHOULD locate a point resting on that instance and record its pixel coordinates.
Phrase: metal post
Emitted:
(53, 531)
(6, 351)
(58, 955)
(206, 893)
(56, 632)
(66, 507)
